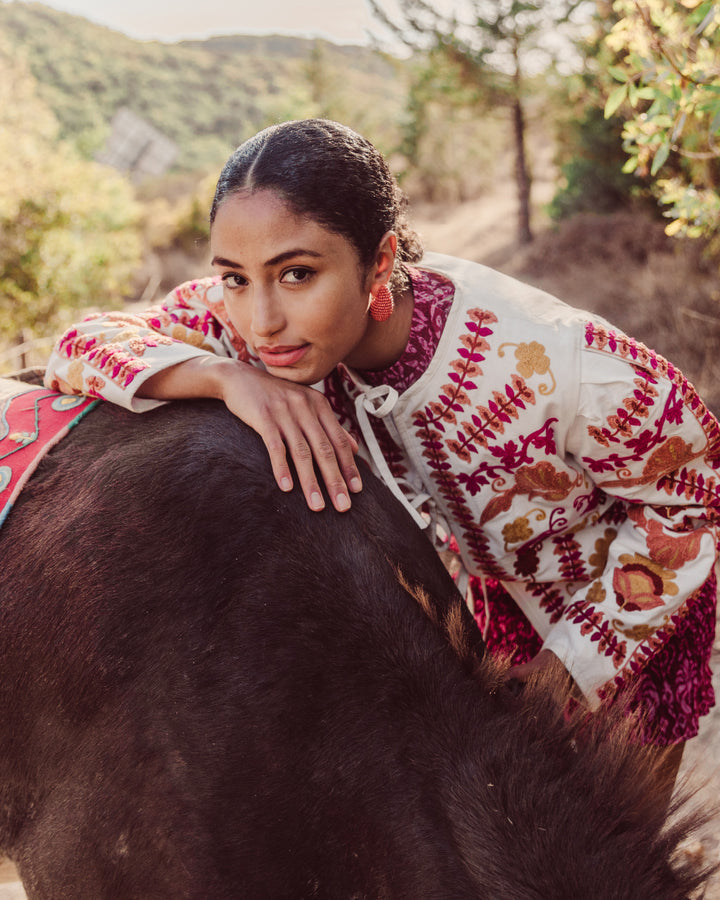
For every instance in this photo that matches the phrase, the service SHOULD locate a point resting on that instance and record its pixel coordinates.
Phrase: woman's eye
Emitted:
(232, 280)
(296, 276)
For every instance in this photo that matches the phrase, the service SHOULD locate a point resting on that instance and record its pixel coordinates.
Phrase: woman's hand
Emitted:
(288, 417)
(297, 419)
(545, 659)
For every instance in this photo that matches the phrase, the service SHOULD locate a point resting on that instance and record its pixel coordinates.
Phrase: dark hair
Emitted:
(331, 174)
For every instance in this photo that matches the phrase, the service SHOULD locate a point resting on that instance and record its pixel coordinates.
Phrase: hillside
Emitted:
(207, 96)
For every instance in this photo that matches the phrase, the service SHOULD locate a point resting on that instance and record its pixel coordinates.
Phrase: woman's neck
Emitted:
(385, 342)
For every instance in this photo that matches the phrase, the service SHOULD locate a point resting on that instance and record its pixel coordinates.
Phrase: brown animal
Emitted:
(209, 691)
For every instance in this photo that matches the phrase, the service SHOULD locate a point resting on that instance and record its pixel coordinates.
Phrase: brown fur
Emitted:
(210, 691)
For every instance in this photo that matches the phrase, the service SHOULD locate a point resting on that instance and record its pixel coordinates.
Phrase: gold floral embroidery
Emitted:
(597, 593)
(125, 335)
(517, 531)
(672, 455)
(544, 480)
(532, 360)
(638, 632)
(598, 559)
(75, 375)
(541, 480)
(641, 583)
(188, 336)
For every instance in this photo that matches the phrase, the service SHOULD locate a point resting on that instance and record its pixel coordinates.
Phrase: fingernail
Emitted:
(285, 484)
(355, 484)
(316, 500)
(342, 502)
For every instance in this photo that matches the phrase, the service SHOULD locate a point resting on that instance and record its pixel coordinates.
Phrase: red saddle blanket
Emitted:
(31, 423)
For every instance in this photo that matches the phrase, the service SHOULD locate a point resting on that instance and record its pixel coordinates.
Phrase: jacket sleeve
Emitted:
(642, 434)
(110, 355)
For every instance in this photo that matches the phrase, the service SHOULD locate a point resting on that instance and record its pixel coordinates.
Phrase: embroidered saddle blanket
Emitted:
(32, 420)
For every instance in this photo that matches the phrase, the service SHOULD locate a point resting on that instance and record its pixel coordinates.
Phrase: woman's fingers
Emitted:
(337, 463)
(277, 451)
(297, 423)
(317, 443)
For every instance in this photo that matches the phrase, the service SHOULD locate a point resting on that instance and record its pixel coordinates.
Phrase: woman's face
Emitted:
(293, 290)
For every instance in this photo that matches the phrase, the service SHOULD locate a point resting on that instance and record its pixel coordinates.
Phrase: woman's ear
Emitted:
(382, 270)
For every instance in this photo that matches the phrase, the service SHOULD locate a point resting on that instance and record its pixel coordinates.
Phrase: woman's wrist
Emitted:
(200, 376)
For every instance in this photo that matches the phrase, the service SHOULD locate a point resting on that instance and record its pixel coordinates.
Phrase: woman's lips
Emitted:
(281, 356)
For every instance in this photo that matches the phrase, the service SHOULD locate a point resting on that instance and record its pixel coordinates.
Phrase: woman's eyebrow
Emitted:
(276, 260)
(226, 263)
(291, 254)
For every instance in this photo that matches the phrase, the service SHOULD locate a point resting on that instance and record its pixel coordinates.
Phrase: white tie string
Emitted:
(379, 402)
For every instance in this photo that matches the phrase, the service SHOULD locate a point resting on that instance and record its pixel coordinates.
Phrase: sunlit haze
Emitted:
(343, 21)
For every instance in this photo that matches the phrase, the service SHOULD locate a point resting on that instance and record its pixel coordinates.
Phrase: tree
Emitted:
(668, 74)
(68, 235)
(589, 147)
(447, 152)
(491, 43)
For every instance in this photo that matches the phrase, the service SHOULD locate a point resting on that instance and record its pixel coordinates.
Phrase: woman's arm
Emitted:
(642, 435)
(111, 355)
(188, 348)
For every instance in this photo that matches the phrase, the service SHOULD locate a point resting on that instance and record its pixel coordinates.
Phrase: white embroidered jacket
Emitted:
(570, 461)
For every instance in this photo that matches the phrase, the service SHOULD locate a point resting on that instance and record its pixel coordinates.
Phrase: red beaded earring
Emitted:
(382, 305)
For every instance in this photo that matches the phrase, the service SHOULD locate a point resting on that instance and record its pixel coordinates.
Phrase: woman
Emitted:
(575, 469)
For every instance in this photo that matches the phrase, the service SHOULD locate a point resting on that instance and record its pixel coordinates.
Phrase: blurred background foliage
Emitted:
(667, 84)
(623, 98)
(69, 227)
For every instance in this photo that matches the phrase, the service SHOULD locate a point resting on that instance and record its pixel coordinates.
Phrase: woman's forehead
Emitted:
(263, 224)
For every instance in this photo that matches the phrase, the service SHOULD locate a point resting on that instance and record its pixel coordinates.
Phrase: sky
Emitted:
(342, 21)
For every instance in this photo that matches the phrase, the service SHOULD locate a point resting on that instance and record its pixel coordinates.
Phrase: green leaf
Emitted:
(615, 100)
(647, 93)
(662, 121)
(630, 165)
(619, 74)
(660, 158)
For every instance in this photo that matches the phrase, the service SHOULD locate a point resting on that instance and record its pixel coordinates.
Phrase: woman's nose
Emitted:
(267, 316)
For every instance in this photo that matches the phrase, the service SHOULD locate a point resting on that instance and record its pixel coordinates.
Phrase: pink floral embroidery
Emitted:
(115, 362)
(94, 385)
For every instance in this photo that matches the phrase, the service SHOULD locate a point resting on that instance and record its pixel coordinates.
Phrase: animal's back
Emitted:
(210, 691)
(177, 631)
